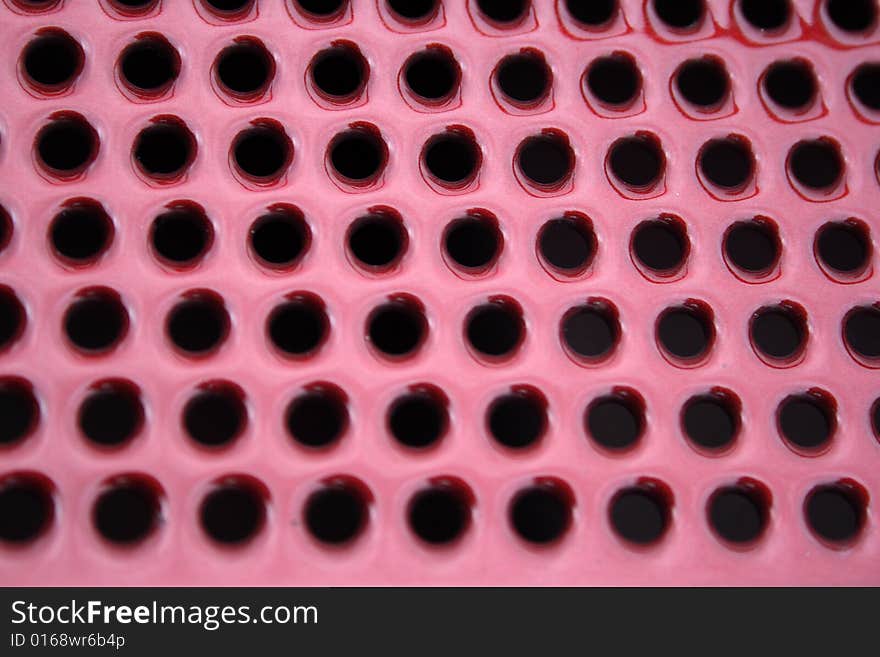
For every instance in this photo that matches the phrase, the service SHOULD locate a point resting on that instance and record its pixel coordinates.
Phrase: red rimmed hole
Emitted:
(590, 333)
(816, 166)
(593, 14)
(660, 247)
(112, 413)
(245, 69)
(727, 164)
(13, 317)
(861, 334)
(7, 228)
(686, 333)
(419, 418)
(27, 507)
(518, 419)
(836, 513)
(322, 11)
(413, 12)
(36, 6)
(843, 248)
(807, 421)
(769, 16)
(703, 83)
(397, 328)
(317, 417)
(753, 248)
(229, 10)
(791, 85)
(378, 240)
(614, 80)
(149, 66)
(96, 321)
(739, 514)
(66, 146)
(440, 513)
(133, 7)
(681, 15)
(541, 513)
(779, 333)
(298, 327)
(165, 149)
(641, 514)
(181, 235)
(216, 414)
(545, 161)
(637, 163)
(495, 329)
(852, 16)
(452, 159)
(616, 422)
(81, 232)
(712, 421)
(432, 75)
(234, 511)
(339, 74)
(567, 245)
(198, 324)
(524, 78)
(280, 238)
(338, 512)
(19, 409)
(865, 85)
(128, 510)
(262, 153)
(472, 244)
(503, 14)
(357, 157)
(52, 61)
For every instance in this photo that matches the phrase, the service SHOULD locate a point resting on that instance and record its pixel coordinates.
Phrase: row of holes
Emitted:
(96, 322)
(261, 154)
(131, 508)
(680, 17)
(243, 72)
(216, 415)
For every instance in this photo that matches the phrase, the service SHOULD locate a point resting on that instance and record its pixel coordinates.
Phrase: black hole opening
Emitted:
(233, 513)
(791, 84)
(853, 15)
(504, 11)
(592, 331)
(127, 512)
(150, 64)
(67, 144)
(452, 158)
(843, 247)
(339, 73)
(835, 512)
(640, 514)
(378, 240)
(53, 59)
(111, 414)
(322, 8)
(546, 160)
(875, 418)
(6, 228)
(767, 15)
(525, 78)
(216, 415)
(711, 421)
(12, 317)
(638, 162)
(473, 242)
(26, 508)
(807, 421)
(419, 419)
(727, 163)
(262, 152)
(752, 246)
(593, 13)
(19, 409)
(198, 324)
(541, 514)
(567, 245)
(432, 74)
(182, 235)
(686, 332)
(358, 155)
(298, 326)
(816, 164)
(861, 330)
(866, 85)
(164, 149)
(680, 14)
(518, 419)
(738, 514)
(440, 514)
(245, 69)
(81, 232)
(96, 321)
(397, 328)
(414, 10)
(614, 80)
(778, 332)
(616, 421)
(280, 238)
(660, 245)
(229, 6)
(336, 514)
(318, 417)
(495, 329)
(703, 82)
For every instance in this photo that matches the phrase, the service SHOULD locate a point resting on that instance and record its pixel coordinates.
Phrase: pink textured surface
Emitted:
(387, 553)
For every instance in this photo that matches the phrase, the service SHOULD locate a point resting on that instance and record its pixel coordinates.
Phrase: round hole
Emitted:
(398, 327)
(766, 15)
(836, 512)
(541, 513)
(81, 232)
(234, 512)
(641, 514)
(52, 60)
(324, 10)
(299, 326)
(591, 332)
(727, 163)
(182, 235)
(614, 80)
(712, 421)
(852, 15)
(245, 69)
(682, 15)
(165, 149)
(545, 160)
(816, 164)
(358, 156)
(216, 414)
(753, 247)
(495, 329)
(686, 333)
(263, 152)
(660, 246)
(128, 510)
(337, 512)
(378, 240)
(452, 158)
(198, 324)
(112, 413)
(592, 13)
(96, 321)
(229, 9)
(66, 145)
(419, 418)
(19, 409)
(779, 333)
(280, 238)
(505, 12)
(13, 317)
(791, 84)
(866, 85)
(518, 419)
(739, 514)
(318, 417)
(473, 243)
(149, 66)
(861, 331)
(567, 245)
(414, 11)
(703, 82)
(6, 228)
(339, 73)
(637, 162)
(843, 247)
(807, 421)
(616, 421)
(441, 513)
(26, 508)
(525, 78)
(432, 75)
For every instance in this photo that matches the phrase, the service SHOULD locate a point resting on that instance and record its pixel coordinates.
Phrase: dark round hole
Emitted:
(262, 152)
(318, 417)
(377, 240)
(727, 163)
(128, 511)
(96, 321)
(6, 228)
(440, 514)
(504, 11)
(778, 332)
(452, 157)
(615, 80)
(567, 245)
(753, 246)
(616, 421)
(322, 9)
(198, 323)
(541, 513)
(336, 513)
(591, 332)
(835, 512)
(861, 330)
(791, 84)
(592, 13)
(518, 419)
(26, 508)
(875, 418)
(234, 512)
(112, 413)
(13, 317)
(712, 421)
(640, 514)
(495, 329)
(245, 69)
(637, 162)
(852, 15)
(19, 409)
(680, 14)
(358, 155)
(397, 328)
(739, 513)
(182, 234)
(299, 326)
(766, 15)
(280, 237)
(546, 160)
(866, 85)
(524, 78)
(660, 245)
(216, 414)
(226, 7)
(703, 82)
(816, 164)
(473, 242)
(340, 72)
(81, 232)
(165, 149)
(686, 333)
(52, 60)
(149, 65)
(419, 418)
(66, 145)
(807, 421)
(433, 74)
(413, 10)
(843, 247)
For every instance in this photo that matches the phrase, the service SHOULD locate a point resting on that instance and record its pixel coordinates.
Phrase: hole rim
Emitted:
(514, 400)
(287, 214)
(633, 403)
(799, 319)
(256, 47)
(126, 391)
(861, 230)
(10, 301)
(336, 401)
(311, 303)
(215, 390)
(736, 191)
(488, 222)
(730, 404)
(135, 92)
(185, 210)
(452, 134)
(607, 311)
(52, 88)
(535, 57)
(73, 119)
(440, 402)
(105, 295)
(358, 493)
(387, 217)
(514, 310)
(785, 111)
(770, 29)
(153, 495)
(713, 107)
(871, 109)
(273, 131)
(859, 499)
(633, 189)
(675, 227)
(249, 486)
(769, 229)
(169, 123)
(368, 134)
(676, 27)
(549, 487)
(865, 359)
(583, 225)
(456, 491)
(703, 313)
(247, 8)
(819, 193)
(327, 99)
(26, 393)
(44, 488)
(560, 141)
(820, 400)
(415, 310)
(758, 494)
(657, 493)
(199, 297)
(437, 52)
